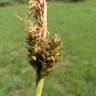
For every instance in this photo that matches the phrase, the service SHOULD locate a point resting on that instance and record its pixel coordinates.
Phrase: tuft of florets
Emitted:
(42, 54)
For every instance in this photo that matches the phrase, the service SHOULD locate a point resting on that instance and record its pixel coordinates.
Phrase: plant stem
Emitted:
(39, 86)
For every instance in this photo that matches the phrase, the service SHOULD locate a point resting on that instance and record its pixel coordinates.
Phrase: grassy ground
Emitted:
(76, 75)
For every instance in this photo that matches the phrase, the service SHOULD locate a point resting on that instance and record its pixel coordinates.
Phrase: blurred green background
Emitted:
(75, 75)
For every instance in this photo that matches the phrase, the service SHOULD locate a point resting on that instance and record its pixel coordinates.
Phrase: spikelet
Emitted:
(42, 54)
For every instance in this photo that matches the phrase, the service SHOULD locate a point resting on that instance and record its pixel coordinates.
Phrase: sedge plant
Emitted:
(42, 53)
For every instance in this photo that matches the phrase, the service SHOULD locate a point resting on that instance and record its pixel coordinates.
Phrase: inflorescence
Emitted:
(43, 54)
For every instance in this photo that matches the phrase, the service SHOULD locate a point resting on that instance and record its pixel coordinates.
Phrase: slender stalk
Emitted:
(39, 83)
(39, 87)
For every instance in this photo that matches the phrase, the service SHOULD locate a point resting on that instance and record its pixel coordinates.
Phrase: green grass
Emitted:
(75, 76)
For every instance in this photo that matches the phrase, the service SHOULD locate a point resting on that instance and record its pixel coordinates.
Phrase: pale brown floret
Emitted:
(39, 9)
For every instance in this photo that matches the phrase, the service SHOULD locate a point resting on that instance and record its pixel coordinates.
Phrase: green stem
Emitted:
(39, 86)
